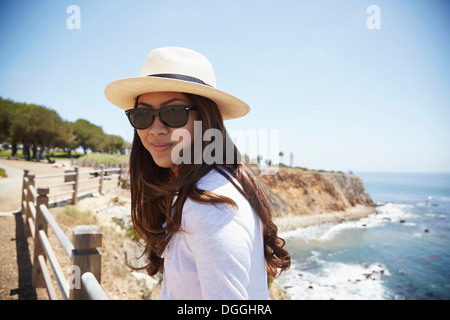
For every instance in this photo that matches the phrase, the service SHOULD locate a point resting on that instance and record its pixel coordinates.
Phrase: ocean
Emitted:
(401, 252)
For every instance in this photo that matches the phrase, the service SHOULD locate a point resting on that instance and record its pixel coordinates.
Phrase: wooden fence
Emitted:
(85, 259)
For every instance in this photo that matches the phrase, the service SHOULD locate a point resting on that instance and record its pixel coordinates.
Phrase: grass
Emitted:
(131, 234)
(282, 165)
(8, 153)
(110, 160)
(78, 217)
(92, 159)
(59, 155)
(54, 155)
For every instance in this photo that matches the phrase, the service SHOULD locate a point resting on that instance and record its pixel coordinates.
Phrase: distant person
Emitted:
(206, 224)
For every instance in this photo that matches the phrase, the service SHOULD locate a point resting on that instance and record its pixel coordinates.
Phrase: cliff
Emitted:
(304, 193)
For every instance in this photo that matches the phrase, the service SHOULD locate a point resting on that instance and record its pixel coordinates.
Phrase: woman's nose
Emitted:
(157, 128)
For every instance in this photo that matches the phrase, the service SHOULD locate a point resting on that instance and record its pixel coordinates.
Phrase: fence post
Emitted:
(24, 187)
(75, 187)
(85, 258)
(28, 199)
(39, 224)
(102, 175)
(120, 174)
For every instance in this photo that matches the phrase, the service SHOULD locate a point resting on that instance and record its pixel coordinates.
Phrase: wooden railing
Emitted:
(76, 187)
(85, 259)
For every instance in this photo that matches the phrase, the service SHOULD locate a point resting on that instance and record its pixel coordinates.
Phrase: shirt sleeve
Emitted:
(221, 245)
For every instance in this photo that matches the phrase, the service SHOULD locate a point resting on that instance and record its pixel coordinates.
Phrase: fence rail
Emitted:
(85, 259)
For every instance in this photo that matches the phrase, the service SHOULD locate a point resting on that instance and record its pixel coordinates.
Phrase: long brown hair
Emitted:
(156, 217)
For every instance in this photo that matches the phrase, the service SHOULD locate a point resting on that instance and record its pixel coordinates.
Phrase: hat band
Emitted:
(179, 77)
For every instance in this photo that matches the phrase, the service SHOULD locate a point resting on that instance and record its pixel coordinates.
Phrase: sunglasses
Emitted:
(171, 116)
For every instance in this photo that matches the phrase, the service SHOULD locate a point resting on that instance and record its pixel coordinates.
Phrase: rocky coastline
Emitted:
(304, 198)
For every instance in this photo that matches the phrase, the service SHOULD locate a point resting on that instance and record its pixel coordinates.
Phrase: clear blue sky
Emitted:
(343, 96)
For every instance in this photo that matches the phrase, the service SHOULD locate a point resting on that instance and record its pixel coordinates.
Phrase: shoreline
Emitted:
(289, 223)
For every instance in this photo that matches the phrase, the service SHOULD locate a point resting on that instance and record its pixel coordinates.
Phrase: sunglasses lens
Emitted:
(141, 118)
(174, 117)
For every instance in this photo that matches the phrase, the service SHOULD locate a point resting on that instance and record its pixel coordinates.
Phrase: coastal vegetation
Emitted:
(75, 216)
(94, 159)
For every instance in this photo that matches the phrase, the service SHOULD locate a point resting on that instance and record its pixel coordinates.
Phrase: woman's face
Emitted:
(157, 138)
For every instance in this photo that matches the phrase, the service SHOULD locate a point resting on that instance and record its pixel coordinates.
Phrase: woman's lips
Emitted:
(161, 146)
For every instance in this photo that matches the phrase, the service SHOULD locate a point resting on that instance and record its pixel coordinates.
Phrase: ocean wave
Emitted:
(336, 281)
(435, 215)
(395, 211)
(307, 233)
(326, 232)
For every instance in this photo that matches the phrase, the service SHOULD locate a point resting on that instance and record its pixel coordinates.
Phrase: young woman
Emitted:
(205, 217)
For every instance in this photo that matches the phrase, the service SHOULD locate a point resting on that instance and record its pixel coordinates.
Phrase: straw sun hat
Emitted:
(177, 70)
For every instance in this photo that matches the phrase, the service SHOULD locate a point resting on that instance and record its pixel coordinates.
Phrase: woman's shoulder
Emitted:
(216, 183)
(215, 180)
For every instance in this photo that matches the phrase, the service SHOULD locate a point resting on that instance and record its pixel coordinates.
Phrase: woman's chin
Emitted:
(163, 162)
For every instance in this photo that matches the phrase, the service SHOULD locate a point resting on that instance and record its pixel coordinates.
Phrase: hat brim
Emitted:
(123, 92)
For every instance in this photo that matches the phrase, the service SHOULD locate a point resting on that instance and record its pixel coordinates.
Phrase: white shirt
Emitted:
(219, 252)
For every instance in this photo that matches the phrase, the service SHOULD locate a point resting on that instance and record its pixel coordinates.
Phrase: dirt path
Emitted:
(10, 187)
(15, 261)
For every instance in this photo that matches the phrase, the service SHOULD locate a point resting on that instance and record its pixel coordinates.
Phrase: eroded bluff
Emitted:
(298, 192)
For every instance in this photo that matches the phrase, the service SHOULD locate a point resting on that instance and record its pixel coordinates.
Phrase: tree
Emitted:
(281, 154)
(258, 159)
(5, 118)
(114, 144)
(42, 129)
(14, 117)
(45, 130)
(65, 135)
(88, 136)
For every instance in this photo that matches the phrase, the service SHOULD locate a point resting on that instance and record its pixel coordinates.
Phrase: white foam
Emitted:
(336, 281)
(328, 231)
(307, 233)
(435, 215)
(316, 278)
(395, 212)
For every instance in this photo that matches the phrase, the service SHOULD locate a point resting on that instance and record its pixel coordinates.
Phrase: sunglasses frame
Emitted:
(157, 112)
